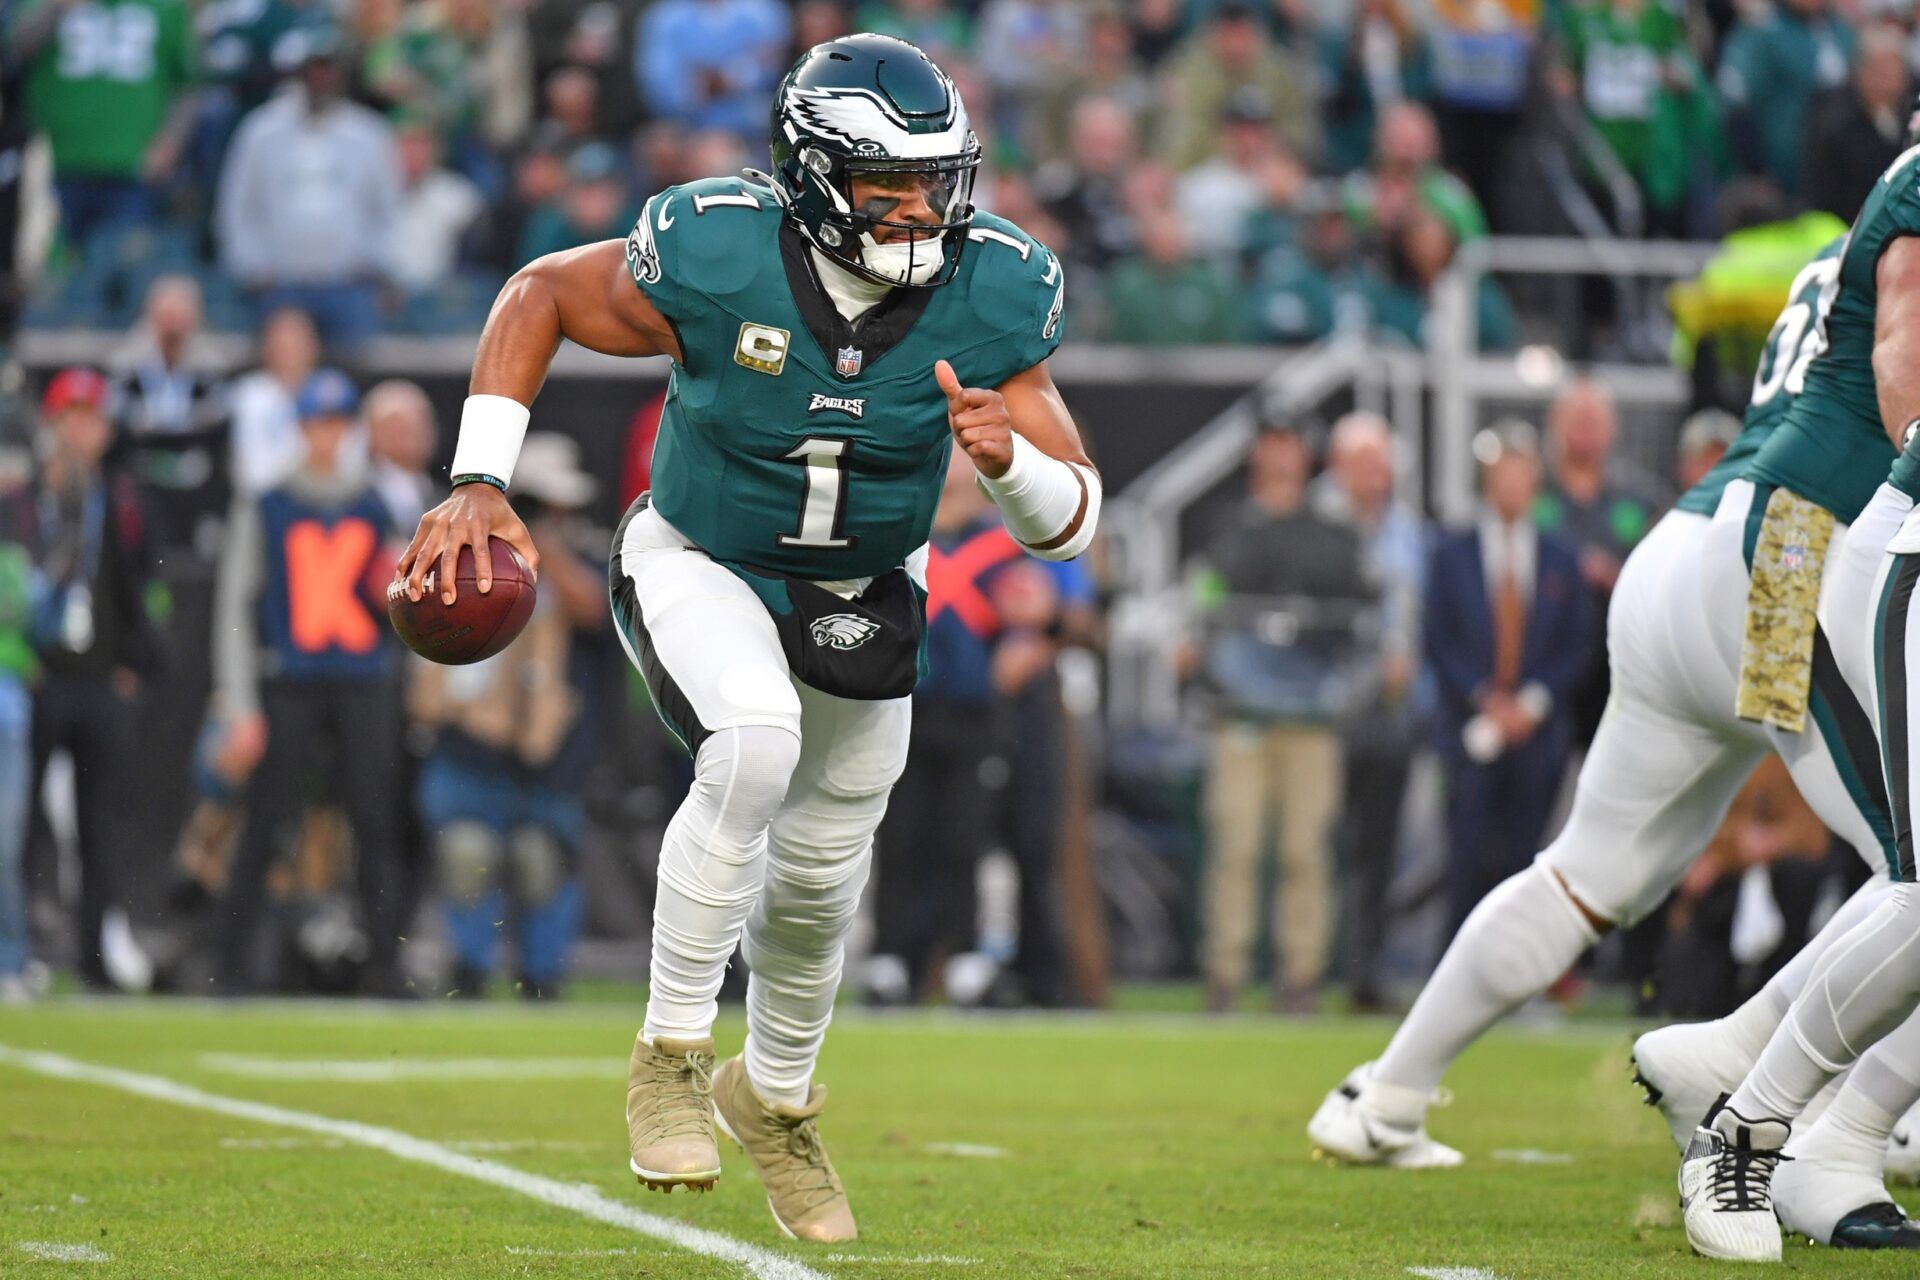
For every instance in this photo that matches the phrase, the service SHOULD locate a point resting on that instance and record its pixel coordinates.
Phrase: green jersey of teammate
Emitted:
(1831, 447)
(792, 439)
(1771, 399)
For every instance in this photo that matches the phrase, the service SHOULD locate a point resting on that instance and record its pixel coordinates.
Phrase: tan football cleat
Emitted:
(670, 1114)
(802, 1189)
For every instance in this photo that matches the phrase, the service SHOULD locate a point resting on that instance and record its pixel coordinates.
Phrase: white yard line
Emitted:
(573, 1197)
(47, 1251)
(1530, 1155)
(400, 1070)
(974, 1150)
(915, 1260)
(1453, 1273)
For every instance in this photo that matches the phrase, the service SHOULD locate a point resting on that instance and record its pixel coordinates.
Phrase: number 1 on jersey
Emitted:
(823, 509)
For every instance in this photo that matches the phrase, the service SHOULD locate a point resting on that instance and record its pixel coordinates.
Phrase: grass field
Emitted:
(1135, 1145)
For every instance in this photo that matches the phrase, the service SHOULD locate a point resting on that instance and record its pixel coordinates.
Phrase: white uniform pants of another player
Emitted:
(1856, 1009)
(773, 843)
(1663, 769)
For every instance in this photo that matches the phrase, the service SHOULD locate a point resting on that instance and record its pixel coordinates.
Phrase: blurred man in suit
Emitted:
(1506, 621)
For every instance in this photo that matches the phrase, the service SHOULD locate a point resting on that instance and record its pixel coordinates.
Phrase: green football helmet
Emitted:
(874, 108)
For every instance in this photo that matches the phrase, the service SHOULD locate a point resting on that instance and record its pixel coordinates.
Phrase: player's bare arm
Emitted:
(584, 295)
(1024, 443)
(1896, 336)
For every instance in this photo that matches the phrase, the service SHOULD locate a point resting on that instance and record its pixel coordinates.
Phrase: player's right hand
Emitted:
(469, 516)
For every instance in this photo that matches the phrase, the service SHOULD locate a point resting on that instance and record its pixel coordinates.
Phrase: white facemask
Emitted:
(903, 263)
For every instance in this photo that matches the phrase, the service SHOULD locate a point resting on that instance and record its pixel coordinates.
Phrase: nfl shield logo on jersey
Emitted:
(848, 363)
(1793, 556)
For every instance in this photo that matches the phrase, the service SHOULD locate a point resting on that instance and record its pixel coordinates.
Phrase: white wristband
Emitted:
(1040, 495)
(491, 429)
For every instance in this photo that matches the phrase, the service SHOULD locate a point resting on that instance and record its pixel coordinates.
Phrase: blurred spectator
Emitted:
(1249, 171)
(304, 664)
(1774, 63)
(1283, 592)
(596, 35)
(933, 26)
(1086, 193)
(1600, 513)
(437, 208)
(1108, 69)
(1378, 58)
(1705, 438)
(1026, 46)
(570, 106)
(1401, 299)
(1379, 734)
(1482, 58)
(465, 66)
(1722, 319)
(1301, 280)
(1166, 295)
(1853, 134)
(17, 669)
(400, 441)
(505, 827)
(1505, 629)
(1230, 53)
(1647, 98)
(248, 45)
(1405, 176)
(988, 638)
(308, 200)
(174, 430)
(1746, 904)
(266, 428)
(818, 21)
(111, 87)
(95, 648)
(537, 175)
(712, 63)
(175, 443)
(1157, 26)
(592, 206)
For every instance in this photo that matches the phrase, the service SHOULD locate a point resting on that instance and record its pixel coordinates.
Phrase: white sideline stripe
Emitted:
(577, 1198)
(395, 1070)
(1453, 1273)
(975, 1150)
(47, 1251)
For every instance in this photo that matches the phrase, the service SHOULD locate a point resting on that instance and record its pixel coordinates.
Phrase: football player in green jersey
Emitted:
(1859, 394)
(834, 327)
(1673, 748)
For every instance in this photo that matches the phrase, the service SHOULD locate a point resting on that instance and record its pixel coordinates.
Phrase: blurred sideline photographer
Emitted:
(1284, 593)
(304, 661)
(499, 791)
(96, 648)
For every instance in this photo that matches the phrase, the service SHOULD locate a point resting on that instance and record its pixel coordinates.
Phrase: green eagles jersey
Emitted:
(1771, 399)
(1831, 446)
(102, 86)
(793, 440)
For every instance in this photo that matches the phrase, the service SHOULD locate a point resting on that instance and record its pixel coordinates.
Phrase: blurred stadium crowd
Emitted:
(1212, 170)
(321, 175)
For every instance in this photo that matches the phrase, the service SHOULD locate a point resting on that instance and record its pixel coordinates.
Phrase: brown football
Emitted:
(475, 626)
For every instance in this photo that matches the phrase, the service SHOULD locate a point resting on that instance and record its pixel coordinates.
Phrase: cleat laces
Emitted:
(1742, 1179)
(808, 1171)
(686, 1098)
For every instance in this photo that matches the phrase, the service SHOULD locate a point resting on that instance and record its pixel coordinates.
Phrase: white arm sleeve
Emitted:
(1050, 506)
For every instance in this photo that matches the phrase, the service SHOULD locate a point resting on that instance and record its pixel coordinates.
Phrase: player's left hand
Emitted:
(979, 421)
